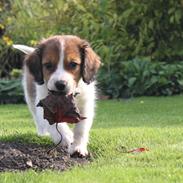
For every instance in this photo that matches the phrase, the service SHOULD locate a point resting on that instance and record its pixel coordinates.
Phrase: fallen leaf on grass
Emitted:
(138, 150)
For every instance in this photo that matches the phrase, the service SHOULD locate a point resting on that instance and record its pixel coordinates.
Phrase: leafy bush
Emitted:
(11, 91)
(138, 77)
(117, 29)
(9, 58)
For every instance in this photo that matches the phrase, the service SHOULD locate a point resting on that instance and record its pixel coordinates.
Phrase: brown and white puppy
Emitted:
(68, 64)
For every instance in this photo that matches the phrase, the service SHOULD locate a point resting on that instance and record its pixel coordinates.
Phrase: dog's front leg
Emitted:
(81, 130)
(44, 126)
(62, 133)
(81, 135)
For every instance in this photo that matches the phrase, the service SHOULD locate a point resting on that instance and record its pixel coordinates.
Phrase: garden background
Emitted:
(139, 41)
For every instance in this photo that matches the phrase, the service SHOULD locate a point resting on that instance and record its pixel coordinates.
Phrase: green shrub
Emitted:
(11, 91)
(139, 77)
(9, 58)
(117, 29)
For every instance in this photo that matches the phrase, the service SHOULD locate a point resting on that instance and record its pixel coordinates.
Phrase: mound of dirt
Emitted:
(18, 156)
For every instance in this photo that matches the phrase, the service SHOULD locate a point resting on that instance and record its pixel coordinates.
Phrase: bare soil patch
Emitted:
(18, 156)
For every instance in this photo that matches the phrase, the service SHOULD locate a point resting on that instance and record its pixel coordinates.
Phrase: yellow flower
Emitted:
(7, 40)
(2, 26)
(33, 42)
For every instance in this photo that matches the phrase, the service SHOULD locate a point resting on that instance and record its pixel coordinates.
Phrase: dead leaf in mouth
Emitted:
(60, 108)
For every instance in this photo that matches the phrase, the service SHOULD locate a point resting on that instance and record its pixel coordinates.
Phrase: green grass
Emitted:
(151, 122)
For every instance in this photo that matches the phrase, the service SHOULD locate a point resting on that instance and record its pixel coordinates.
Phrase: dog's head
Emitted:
(61, 61)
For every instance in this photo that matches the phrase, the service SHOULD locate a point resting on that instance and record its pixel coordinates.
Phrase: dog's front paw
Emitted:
(78, 150)
(41, 130)
(65, 139)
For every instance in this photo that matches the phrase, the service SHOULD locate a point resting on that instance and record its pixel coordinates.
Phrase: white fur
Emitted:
(78, 139)
(61, 74)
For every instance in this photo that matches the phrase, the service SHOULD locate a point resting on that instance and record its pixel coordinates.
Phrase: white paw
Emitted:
(79, 150)
(65, 140)
(62, 135)
(42, 131)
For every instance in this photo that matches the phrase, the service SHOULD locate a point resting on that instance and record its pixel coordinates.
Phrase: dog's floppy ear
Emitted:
(33, 60)
(90, 63)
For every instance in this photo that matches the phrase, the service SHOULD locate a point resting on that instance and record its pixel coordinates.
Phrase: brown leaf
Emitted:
(60, 108)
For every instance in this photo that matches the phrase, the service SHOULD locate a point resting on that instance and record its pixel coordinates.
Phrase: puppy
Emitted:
(66, 64)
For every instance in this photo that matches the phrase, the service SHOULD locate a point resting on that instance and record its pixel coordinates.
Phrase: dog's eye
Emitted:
(49, 66)
(72, 65)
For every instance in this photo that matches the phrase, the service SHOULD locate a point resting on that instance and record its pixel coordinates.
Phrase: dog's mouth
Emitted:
(62, 93)
(58, 92)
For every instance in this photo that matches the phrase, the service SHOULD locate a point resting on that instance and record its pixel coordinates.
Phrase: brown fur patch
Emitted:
(50, 55)
(72, 54)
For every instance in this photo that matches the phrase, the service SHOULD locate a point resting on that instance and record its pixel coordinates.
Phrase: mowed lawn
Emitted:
(155, 123)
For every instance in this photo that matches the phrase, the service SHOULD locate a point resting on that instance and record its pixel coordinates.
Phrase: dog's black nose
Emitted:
(60, 85)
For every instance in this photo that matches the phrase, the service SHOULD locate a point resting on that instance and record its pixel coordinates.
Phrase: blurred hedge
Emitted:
(136, 78)
(11, 91)
(117, 29)
(9, 58)
(141, 77)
